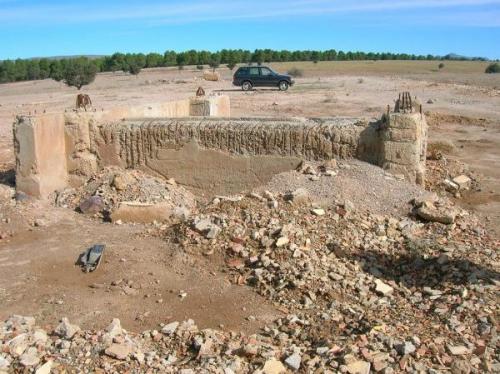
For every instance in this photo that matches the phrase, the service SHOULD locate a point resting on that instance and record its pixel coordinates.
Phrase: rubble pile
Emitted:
(359, 293)
(103, 193)
(372, 291)
(450, 177)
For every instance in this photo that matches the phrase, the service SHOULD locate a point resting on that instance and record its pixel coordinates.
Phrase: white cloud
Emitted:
(190, 11)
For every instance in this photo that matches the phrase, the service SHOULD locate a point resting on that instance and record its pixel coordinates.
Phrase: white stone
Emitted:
(273, 366)
(282, 241)
(170, 328)
(318, 212)
(359, 367)
(66, 330)
(383, 288)
(293, 361)
(45, 368)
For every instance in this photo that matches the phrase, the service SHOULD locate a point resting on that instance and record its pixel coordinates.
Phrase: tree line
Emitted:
(33, 69)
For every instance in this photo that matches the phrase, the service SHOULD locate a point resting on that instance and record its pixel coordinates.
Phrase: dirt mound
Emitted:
(113, 187)
(368, 186)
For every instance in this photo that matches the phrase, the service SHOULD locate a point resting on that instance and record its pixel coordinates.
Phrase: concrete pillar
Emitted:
(404, 145)
(210, 106)
(40, 152)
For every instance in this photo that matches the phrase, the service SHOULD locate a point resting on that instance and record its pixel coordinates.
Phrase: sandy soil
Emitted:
(38, 275)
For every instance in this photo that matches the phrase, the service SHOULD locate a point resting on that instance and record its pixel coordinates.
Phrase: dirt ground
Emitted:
(145, 275)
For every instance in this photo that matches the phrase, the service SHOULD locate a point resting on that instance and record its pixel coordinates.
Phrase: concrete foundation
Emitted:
(214, 155)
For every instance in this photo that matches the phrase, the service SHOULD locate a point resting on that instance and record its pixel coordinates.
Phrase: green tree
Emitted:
(56, 70)
(170, 58)
(154, 60)
(79, 72)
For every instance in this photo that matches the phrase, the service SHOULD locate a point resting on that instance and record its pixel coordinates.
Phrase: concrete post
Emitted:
(404, 145)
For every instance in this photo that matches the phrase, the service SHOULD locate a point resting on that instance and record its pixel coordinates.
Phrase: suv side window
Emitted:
(265, 72)
(254, 71)
(241, 72)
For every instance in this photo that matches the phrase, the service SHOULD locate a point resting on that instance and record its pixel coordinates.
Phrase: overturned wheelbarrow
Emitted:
(91, 258)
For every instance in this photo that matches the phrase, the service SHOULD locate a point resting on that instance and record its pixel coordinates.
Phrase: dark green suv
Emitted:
(248, 77)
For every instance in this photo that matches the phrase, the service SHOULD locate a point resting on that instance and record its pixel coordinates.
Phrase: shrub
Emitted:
(134, 69)
(493, 68)
(295, 72)
(199, 67)
(231, 65)
(441, 65)
(79, 72)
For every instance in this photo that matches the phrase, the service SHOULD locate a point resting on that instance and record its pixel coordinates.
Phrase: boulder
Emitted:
(92, 205)
(430, 213)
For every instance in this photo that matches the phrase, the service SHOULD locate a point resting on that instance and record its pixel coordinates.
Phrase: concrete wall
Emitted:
(216, 155)
(52, 150)
(224, 155)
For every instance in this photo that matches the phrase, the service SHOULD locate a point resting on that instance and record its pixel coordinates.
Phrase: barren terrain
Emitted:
(147, 268)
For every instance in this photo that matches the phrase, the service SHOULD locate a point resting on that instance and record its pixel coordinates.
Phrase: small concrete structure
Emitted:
(197, 143)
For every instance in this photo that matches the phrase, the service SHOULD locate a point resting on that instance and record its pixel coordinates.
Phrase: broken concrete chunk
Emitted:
(318, 212)
(432, 214)
(293, 361)
(122, 181)
(206, 227)
(359, 367)
(273, 366)
(18, 345)
(119, 351)
(134, 212)
(30, 358)
(299, 196)
(114, 328)
(382, 288)
(66, 330)
(45, 368)
(282, 241)
(457, 350)
(170, 328)
(463, 182)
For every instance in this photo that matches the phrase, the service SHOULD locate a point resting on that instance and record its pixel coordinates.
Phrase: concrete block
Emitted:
(40, 152)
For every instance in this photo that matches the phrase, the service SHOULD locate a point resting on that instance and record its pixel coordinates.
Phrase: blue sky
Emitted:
(32, 28)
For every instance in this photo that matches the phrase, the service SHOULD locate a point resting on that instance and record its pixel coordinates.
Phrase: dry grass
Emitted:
(381, 67)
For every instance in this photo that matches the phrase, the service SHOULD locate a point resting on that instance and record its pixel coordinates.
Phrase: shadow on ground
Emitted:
(8, 177)
(416, 271)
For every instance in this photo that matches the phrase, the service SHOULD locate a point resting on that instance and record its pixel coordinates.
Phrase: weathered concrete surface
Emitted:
(52, 151)
(404, 145)
(224, 155)
(142, 213)
(40, 155)
(217, 155)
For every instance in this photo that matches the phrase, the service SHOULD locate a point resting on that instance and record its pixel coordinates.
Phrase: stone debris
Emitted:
(129, 196)
(273, 366)
(463, 182)
(358, 292)
(436, 211)
(66, 330)
(293, 361)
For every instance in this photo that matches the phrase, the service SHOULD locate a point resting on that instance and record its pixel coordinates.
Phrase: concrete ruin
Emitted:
(197, 143)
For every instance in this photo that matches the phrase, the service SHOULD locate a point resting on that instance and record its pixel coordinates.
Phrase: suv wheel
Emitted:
(283, 85)
(246, 86)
